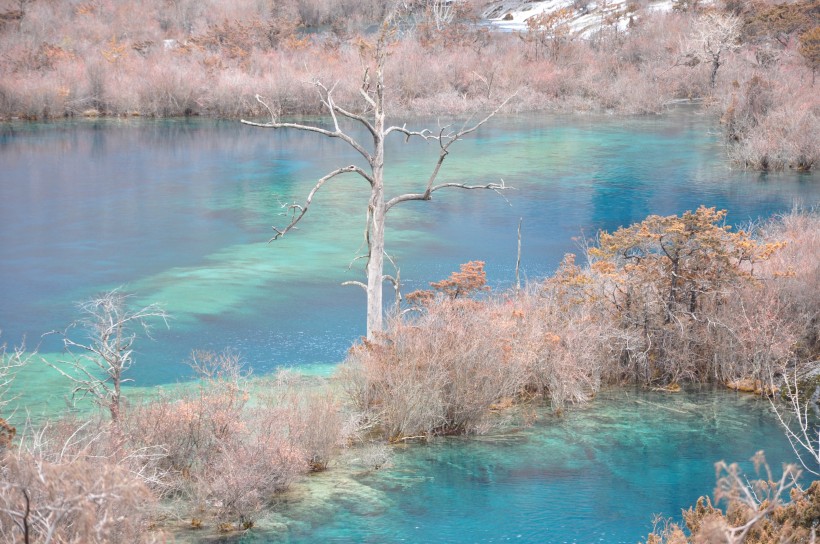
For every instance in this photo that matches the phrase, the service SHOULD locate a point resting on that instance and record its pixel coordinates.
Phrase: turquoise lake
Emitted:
(179, 212)
(597, 474)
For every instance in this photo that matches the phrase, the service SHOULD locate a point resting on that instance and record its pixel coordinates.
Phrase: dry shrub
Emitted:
(772, 117)
(69, 481)
(794, 271)
(215, 461)
(77, 500)
(170, 88)
(312, 417)
(77, 482)
(770, 323)
(756, 511)
(564, 336)
(241, 475)
(449, 367)
(223, 458)
(436, 374)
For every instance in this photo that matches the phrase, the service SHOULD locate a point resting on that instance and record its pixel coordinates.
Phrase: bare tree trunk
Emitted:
(377, 213)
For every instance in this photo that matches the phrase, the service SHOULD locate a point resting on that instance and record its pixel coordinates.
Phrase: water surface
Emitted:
(598, 474)
(180, 212)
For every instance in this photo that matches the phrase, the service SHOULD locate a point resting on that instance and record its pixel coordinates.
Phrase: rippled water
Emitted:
(179, 212)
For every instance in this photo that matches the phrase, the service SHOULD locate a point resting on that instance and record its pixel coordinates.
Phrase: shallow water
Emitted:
(597, 474)
(179, 212)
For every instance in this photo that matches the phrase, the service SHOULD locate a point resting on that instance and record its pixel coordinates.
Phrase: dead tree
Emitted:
(372, 118)
(717, 35)
(97, 364)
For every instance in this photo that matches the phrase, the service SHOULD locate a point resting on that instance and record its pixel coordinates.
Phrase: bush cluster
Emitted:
(670, 300)
(754, 63)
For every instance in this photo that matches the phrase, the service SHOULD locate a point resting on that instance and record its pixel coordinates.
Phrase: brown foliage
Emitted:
(7, 433)
(779, 22)
(666, 278)
(810, 47)
(468, 281)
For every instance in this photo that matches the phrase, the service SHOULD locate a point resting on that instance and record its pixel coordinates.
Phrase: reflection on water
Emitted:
(598, 474)
(180, 213)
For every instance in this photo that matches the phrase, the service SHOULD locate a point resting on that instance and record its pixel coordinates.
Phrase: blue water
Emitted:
(180, 211)
(597, 474)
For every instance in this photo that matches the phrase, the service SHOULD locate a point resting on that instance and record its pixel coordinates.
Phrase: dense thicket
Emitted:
(753, 61)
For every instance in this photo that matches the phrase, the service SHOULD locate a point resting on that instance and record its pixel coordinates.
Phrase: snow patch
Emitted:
(589, 17)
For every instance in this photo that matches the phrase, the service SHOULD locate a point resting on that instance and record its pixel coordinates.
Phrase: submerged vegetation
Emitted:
(752, 62)
(669, 301)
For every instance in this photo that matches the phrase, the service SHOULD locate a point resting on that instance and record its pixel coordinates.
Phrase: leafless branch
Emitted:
(356, 283)
(427, 195)
(327, 101)
(302, 209)
(445, 138)
(448, 137)
(803, 436)
(10, 362)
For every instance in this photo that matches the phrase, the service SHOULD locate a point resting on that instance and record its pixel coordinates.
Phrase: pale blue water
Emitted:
(180, 213)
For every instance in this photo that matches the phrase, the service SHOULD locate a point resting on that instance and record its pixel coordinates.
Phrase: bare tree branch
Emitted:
(302, 209)
(445, 140)
(356, 283)
(327, 101)
(803, 436)
(427, 195)
(10, 362)
(110, 326)
(444, 136)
